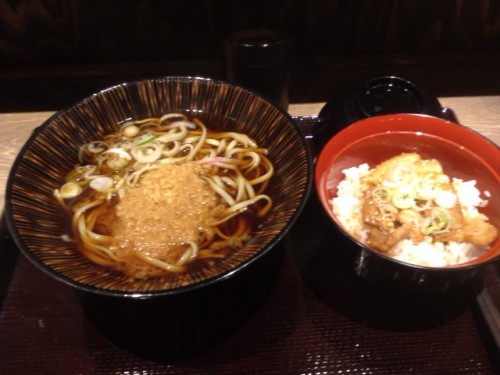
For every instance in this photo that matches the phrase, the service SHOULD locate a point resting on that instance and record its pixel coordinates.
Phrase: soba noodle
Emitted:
(163, 193)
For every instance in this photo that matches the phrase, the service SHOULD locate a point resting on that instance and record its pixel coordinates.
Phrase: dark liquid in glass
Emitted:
(260, 60)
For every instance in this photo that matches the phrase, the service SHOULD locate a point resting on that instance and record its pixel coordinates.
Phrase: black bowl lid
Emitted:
(374, 96)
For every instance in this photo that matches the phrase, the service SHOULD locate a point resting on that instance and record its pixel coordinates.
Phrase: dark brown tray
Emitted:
(298, 310)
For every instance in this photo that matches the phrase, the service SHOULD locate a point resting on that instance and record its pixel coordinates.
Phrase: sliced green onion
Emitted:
(116, 163)
(399, 175)
(117, 158)
(381, 194)
(70, 190)
(429, 230)
(101, 183)
(403, 198)
(96, 147)
(421, 204)
(130, 130)
(120, 152)
(440, 220)
(147, 154)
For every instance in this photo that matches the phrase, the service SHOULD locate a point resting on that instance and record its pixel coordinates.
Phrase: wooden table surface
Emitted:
(481, 113)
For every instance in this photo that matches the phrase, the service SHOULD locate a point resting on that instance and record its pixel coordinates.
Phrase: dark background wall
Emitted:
(66, 49)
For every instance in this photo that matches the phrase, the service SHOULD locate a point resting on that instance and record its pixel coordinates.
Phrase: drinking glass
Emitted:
(259, 48)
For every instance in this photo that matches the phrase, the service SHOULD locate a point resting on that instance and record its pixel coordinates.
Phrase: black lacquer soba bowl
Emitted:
(463, 154)
(38, 224)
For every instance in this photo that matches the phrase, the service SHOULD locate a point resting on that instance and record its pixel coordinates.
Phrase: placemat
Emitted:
(299, 310)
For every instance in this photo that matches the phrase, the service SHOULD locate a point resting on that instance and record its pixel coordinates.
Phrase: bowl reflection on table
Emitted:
(463, 154)
(36, 220)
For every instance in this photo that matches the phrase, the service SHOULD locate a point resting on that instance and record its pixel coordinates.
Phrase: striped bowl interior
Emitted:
(36, 221)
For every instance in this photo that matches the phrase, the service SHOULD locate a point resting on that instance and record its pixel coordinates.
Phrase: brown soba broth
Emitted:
(163, 194)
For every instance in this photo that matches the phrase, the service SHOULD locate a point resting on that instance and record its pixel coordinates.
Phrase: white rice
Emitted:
(347, 207)
(349, 201)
